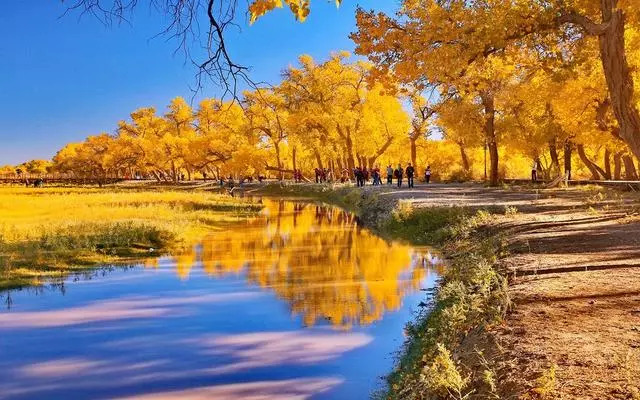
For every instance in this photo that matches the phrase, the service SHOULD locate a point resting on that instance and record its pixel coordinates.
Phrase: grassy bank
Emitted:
(50, 232)
(442, 357)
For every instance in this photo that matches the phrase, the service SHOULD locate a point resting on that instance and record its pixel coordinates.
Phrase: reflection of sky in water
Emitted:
(298, 303)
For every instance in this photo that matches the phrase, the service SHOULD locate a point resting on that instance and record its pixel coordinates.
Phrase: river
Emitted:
(298, 302)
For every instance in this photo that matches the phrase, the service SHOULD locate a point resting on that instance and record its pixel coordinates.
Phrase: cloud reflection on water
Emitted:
(264, 349)
(292, 389)
(114, 310)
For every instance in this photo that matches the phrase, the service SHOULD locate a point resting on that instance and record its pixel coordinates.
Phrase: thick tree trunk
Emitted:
(279, 162)
(174, 174)
(630, 172)
(488, 102)
(607, 164)
(293, 157)
(318, 159)
(381, 151)
(596, 172)
(618, 74)
(568, 148)
(466, 165)
(617, 166)
(348, 144)
(414, 152)
(553, 153)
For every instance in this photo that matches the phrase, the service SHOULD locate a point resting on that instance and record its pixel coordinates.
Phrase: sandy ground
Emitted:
(575, 257)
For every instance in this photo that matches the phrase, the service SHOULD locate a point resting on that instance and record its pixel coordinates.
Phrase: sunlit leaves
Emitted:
(299, 8)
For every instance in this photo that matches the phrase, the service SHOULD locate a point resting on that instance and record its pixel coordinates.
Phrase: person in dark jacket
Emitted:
(399, 172)
(410, 171)
(359, 177)
(389, 175)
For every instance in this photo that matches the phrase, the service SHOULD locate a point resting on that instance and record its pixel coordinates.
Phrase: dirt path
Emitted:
(575, 254)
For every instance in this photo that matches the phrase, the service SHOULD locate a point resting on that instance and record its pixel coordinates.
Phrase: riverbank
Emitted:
(513, 317)
(48, 233)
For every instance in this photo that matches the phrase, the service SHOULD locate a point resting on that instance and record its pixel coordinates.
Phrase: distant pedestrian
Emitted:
(376, 176)
(399, 172)
(427, 174)
(534, 172)
(389, 175)
(359, 176)
(410, 171)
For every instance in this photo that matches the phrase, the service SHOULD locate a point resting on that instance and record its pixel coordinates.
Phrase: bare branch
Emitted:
(184, 28)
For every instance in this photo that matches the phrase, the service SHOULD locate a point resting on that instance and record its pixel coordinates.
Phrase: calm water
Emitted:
(297, 303)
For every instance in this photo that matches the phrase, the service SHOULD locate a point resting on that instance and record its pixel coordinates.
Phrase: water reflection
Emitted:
(224, 329)
(316, 258)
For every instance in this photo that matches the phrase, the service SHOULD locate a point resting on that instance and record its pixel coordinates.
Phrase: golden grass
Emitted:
(49, 232)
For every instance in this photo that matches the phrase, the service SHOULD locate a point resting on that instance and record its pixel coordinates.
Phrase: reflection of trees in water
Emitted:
(317, 259)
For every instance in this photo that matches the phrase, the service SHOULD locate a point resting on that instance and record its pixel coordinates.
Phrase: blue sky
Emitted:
(62, 79)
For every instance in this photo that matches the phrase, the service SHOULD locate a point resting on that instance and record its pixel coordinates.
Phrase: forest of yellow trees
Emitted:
(464, 87)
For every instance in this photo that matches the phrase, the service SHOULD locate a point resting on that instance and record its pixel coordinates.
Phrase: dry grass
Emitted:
(48, 232)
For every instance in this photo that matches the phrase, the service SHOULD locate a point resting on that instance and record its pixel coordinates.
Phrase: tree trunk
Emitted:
(630, 172)
(568, 148)
(617, 166)
(412, 142)
(594, 169)
(174, 174)
(618, 74)
(279, 162)
(285, 170)
(488, 102)
(316, 153)
(553, 153)
(466, 165)
(381, 151)
(293, 157)
(607, 164)
(348, 144)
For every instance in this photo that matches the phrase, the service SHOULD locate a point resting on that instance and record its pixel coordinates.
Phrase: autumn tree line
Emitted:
(462, 86)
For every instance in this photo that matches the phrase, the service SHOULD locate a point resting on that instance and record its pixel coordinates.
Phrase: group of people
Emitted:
(362, 175)
(322, 175)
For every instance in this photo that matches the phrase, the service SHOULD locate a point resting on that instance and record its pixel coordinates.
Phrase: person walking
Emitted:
(359, 177)
(399, 172)
(389, 175)
(427, 174)
(410, 171)
(534, 172)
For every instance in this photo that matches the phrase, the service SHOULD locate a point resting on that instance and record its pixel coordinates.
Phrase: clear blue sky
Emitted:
(62, 79)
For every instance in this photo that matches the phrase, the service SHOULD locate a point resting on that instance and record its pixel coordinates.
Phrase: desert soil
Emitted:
(574, 258)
